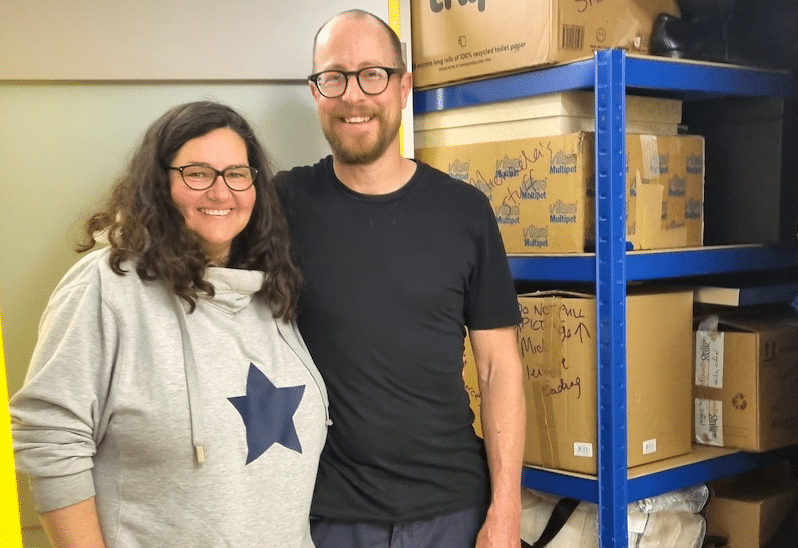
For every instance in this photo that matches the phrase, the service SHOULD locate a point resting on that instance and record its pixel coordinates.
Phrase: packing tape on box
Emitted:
(708, 375)
(541, 402)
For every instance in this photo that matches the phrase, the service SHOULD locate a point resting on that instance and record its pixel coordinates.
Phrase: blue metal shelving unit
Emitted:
(610, 73)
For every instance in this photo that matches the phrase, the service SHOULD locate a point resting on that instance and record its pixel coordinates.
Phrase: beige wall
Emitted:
(156, 40)
(62, 145)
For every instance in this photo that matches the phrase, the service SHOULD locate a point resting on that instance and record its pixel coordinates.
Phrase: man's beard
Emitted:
(362, 152)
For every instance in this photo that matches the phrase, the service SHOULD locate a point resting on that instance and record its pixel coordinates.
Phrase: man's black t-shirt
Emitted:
(390, 282)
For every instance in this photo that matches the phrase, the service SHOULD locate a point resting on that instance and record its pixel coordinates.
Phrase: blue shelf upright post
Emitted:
(610, 154)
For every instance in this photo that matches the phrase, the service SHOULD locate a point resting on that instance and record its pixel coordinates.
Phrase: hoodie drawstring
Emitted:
(192, 385)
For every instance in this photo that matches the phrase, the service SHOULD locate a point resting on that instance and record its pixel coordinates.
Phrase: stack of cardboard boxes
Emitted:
(534, 159)
(542, 185)
(745, 381)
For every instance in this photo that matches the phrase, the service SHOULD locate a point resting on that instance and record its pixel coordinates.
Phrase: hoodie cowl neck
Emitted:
(233, 288)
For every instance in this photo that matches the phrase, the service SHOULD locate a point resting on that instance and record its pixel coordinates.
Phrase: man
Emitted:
(398, 258)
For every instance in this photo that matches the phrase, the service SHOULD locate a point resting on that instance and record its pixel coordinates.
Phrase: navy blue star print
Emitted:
(268, 414)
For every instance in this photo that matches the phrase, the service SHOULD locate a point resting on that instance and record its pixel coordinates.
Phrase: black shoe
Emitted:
(703, 37)
(757, 33)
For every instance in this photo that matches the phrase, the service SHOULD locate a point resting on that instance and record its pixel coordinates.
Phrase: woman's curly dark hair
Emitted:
(141, 221)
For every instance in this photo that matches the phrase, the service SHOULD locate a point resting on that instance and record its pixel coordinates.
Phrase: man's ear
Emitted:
(314, 90)
(406, 84)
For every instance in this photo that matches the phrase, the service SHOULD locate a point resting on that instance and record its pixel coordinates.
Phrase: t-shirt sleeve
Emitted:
(491, 299)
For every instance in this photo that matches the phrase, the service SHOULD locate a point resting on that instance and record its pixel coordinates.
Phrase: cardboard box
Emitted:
(746, 378)
(670, 169)
(539, 116)
(542, 189)
(557, 345)
(454, 41)
(746, 295)
(748, 510)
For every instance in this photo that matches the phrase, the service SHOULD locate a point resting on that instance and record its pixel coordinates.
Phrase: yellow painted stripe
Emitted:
(394, 17)
(394, 21)
(10, 533)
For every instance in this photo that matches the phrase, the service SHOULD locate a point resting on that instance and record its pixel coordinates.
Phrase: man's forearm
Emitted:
(503, 414)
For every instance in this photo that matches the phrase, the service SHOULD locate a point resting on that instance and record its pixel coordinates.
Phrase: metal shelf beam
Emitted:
(715, 79)
(646, 266)
(649, 485)
(683, 78)
(579, 75)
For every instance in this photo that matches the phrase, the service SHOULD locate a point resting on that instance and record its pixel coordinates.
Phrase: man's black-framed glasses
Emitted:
(372, 80)
(198, 177)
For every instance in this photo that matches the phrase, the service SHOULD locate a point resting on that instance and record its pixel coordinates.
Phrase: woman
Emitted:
(170, 400)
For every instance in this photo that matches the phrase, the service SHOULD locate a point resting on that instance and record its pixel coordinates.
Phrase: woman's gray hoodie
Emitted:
(198, 430)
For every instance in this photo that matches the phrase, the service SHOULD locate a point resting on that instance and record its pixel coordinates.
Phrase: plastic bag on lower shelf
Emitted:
(690, 499)
(665, 521)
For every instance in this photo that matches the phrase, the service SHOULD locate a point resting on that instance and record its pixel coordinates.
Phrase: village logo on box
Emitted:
(438, 7)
